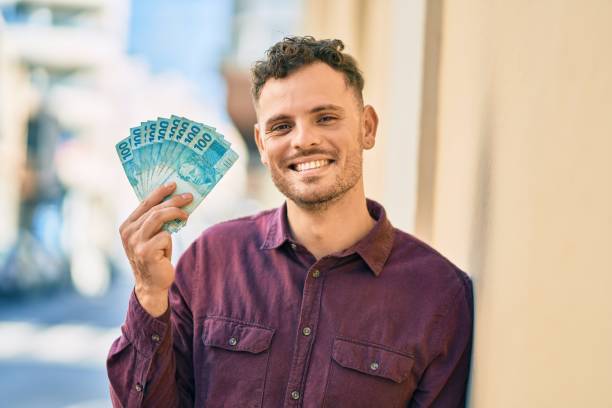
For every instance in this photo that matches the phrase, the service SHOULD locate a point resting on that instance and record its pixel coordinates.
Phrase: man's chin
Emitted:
(313, 201)
(310, 193)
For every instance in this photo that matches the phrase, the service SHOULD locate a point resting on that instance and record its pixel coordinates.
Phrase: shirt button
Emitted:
(293, 246)
(306, 331)
(138, 387)
(233, 341)
(316, 273)
(155, 337)
(374, 366)
(295, 395)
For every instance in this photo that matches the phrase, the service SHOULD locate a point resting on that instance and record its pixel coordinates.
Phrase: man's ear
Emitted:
(370, 124)
(260, 146)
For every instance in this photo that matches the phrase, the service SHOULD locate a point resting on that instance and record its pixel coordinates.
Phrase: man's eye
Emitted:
(326, 118)
(280, 127)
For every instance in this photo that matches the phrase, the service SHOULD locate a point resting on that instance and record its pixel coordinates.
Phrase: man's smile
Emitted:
(310, 165)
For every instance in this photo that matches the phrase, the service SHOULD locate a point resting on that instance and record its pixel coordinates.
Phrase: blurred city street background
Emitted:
(494, 147)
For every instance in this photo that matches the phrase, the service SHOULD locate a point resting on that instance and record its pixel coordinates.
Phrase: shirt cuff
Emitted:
(144, 331)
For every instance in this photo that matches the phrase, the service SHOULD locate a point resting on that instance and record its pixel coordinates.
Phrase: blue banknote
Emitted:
(193, 155)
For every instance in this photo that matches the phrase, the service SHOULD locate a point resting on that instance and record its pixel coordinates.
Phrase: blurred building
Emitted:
(48, 48)
(68, 92)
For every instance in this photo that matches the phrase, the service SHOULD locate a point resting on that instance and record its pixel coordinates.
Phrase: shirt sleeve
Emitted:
(444, 382)
(150, 364)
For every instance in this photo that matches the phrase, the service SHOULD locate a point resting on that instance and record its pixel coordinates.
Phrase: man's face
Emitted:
(311, 133)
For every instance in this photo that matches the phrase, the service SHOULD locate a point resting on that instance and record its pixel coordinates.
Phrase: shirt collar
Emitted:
(278, 229)
(374, 248)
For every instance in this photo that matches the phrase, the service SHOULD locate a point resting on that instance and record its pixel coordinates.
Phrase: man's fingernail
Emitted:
(170, 184)
(186, 195)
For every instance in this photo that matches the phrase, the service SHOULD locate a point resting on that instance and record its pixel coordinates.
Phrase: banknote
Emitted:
(176, 149)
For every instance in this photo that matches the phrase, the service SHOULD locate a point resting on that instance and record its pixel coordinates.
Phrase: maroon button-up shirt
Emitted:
(256, 321)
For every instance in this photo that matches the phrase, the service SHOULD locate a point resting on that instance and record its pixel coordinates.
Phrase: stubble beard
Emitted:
(320, 198)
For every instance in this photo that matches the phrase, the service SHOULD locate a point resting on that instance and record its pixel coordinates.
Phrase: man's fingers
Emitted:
(176, 201)
(152, 200)
(129, 228)
(161, 241)
(146, 252)
(158, 217)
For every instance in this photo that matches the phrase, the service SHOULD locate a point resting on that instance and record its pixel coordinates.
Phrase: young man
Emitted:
(320, 302)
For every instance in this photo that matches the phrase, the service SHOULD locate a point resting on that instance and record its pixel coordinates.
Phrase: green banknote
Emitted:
(176, 149)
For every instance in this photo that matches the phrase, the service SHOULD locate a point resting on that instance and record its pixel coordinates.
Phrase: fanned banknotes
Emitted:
(191, 154)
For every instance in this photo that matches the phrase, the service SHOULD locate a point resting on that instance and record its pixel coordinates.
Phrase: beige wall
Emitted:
(521, 195)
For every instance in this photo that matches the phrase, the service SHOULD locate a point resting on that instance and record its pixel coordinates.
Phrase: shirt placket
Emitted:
(306, 334)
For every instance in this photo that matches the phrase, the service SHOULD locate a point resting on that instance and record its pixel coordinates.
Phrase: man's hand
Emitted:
(149, 249)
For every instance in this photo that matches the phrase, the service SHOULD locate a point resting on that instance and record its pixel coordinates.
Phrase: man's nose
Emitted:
(305, 136)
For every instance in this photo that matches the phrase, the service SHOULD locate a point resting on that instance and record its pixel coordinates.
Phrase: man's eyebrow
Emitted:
(276, 118)
(328, 107)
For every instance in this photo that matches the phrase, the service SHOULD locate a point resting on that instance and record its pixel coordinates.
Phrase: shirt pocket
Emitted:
(235, 362)
(363, 374)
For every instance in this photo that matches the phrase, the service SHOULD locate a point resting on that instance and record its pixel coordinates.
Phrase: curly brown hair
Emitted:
(293, 53)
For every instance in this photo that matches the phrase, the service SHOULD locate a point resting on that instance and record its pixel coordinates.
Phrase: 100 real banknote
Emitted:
(175, 149)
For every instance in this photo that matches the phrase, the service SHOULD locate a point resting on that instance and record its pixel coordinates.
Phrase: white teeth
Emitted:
(311, 165)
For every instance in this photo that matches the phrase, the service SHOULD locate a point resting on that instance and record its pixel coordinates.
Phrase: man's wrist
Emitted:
(154, 302)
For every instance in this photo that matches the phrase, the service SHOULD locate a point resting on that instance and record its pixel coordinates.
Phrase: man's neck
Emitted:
(334, 228)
